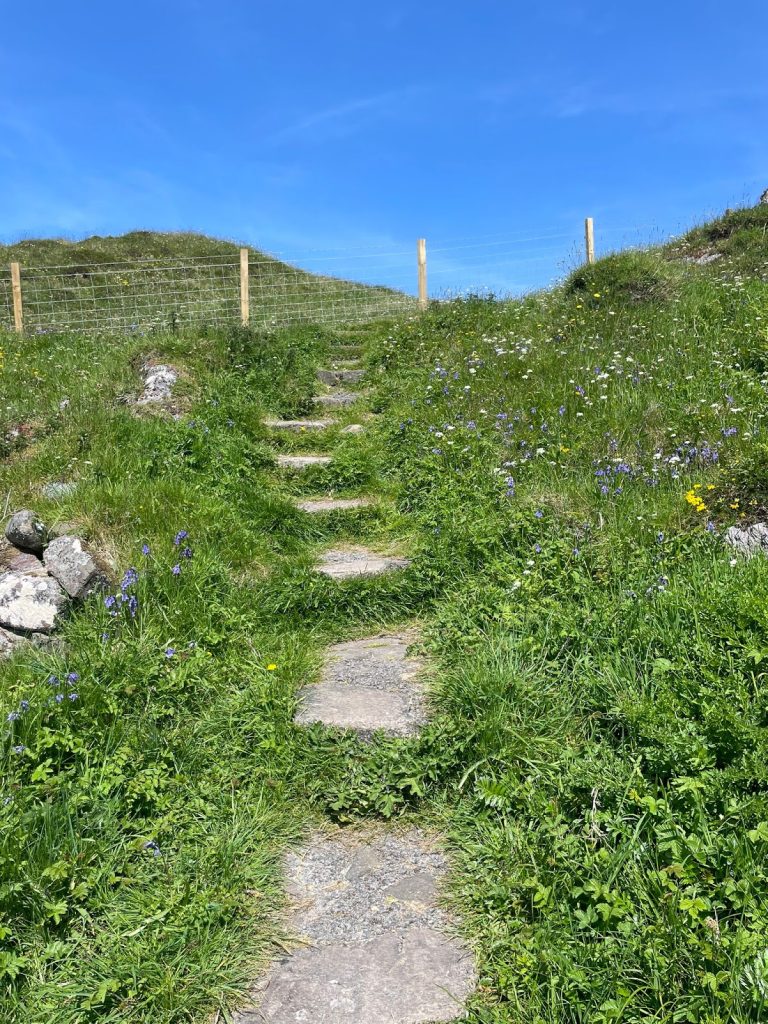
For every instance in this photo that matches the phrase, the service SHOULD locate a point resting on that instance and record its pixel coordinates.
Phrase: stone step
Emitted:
(338, 398)
(320, 505)
(299, 425)
(377, 947)
(298, 462)
(358, 562)
(335, 377)
(368, 685)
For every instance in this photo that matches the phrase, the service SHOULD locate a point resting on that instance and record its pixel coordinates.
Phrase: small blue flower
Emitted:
(186, 552)
(13, 716)
(180, 536)
(73, 696)
(53, 680)
(59, 698)
(176, 570)
(24, 705)
(538, 513)
(109, 601)
(133, 605)
(19, 748)
(73, 677)
(170, 651)
(145, 549)
(537, 548)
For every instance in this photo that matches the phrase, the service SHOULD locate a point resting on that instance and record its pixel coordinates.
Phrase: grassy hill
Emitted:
(562, 471)
(159, 280)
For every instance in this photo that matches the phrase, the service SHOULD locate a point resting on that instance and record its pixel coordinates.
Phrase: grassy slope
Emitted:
(598, 750)
(98, 284)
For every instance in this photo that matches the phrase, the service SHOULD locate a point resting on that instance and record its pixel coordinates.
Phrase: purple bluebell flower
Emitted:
(73, 677)
(180, 536)
(145, 549)
(176, 570)
(131, 576)
(53, 680)
(59, 698)
(109, 601)
(186, 552)
(538, 513)
(12, 716)
(537, 548)
(133, 605)
(19, 748)
(73, 696)
(23, 705)
(561, 411)
(170, 651)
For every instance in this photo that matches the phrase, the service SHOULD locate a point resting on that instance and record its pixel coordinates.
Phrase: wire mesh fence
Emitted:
(332, 287)
(158, 294)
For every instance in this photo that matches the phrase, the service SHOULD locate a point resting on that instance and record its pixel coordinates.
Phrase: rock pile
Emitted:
(40, 574)
(158, 383)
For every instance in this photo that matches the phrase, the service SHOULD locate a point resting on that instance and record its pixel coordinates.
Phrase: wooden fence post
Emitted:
(18, 312)
(421, 260)
(589, 238)
(245, 299)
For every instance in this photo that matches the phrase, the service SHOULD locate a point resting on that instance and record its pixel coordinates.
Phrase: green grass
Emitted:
(148, 281)
(598, 748)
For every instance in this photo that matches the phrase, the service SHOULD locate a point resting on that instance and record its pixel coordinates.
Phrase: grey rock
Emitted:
(353, 428)
(26, 531)
(13, 559)
(9, 642)
(158, 384)
(31, 604)
(383, 952)
(298, 426)
(58, 489)
(764, 198)
(367, 685)
(748, 541)
(74, 567)
(338, 398)
(356, 562)
(298, 462)
(319, 505)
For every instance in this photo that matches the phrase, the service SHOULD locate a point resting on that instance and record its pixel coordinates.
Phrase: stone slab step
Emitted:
(320, 505)
(298, 462)
(367, 685)
(334, 377)
(299, 425)
(338, 398)
(358, 562)
(379, 948)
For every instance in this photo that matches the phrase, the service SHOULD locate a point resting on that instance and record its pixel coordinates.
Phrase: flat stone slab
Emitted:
(357, 562)
(319, 505)
(299, 425)
(32, 604)
(353, 428)
(367, 685)
(338, 398)
(297, 462)
(335, 377)
(73, 566)
(381, 949)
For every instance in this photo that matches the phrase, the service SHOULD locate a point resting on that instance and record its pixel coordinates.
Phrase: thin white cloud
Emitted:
(343, 119)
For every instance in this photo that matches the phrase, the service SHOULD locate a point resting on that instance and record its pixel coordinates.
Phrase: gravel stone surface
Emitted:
(355, 562)
(368, 685)
(382, 950)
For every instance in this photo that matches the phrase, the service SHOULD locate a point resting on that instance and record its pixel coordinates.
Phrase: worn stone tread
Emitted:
(368, 685)
(299, 425)
(382, 950)
(302, 461)
(356, 562)
(317, 506)
(338, 398)
(334, 377)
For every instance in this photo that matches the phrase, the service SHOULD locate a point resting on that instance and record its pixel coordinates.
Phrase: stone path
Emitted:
(367, 685)
(335, 377)
(320, 505)
(337, 398)
(298, 425)
(375, 947)
(357, 561)
(379, 948)
(297, 462)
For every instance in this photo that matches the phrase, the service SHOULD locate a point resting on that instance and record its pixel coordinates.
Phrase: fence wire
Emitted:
(169, 293)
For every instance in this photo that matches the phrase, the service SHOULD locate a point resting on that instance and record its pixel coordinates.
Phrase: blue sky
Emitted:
(336, 133)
